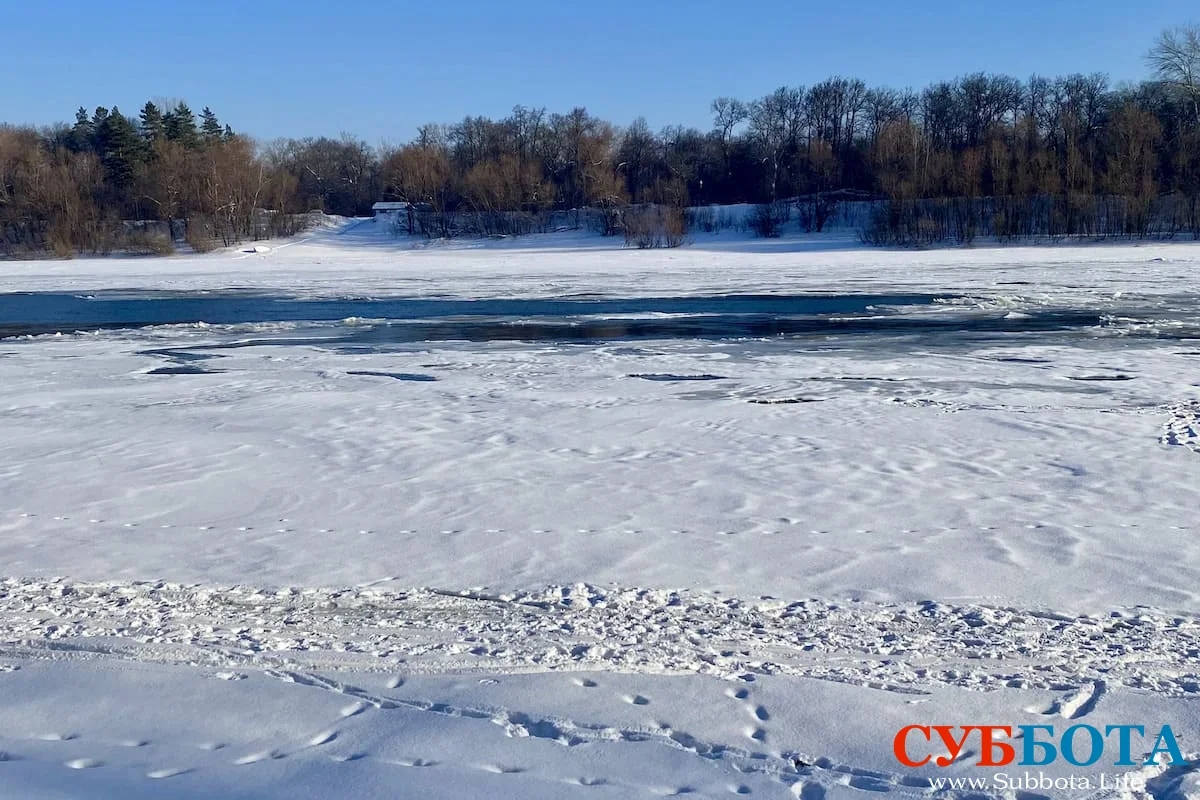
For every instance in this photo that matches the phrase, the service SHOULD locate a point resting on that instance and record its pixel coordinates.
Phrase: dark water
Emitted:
(123, 309)
(398, 320)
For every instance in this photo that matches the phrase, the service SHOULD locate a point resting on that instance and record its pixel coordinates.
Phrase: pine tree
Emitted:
(82, 132)
(210, 127)
(98, 118)
(229, 134)
(180, 126)
(153, 126)
(120, 148)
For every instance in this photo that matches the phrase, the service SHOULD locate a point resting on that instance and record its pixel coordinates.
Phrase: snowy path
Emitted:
(900, 648)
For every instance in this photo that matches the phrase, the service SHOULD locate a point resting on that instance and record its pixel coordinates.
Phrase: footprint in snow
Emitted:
(169, 772)
(636, 700)
(1077, 704)
(395, 682)
(586, 683)
(84, 763)
(353, 708)
(866, 783)
(324, 737)
(261, 755)
(809, 791)
(501, 770)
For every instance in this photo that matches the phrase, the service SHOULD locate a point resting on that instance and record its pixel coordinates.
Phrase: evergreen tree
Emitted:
(153, 126)
(98, 118)
(180, 126)
(120, 149)
(210, 127)
(228, 134)
(82, 132)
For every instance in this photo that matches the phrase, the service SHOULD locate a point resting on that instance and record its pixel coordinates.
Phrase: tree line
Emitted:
(980, 154)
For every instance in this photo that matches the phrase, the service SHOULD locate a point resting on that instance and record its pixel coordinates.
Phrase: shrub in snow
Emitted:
(767, 220)
(654, 226)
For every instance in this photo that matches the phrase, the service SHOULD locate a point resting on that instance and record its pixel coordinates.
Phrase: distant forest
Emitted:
(979, 155)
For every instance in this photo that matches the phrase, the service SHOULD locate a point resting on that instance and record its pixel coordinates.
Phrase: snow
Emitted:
(281, 560)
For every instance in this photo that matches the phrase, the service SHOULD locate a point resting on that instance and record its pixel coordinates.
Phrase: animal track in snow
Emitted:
(169, 772)
(325, 737)
(808, 790)
(500, 769)
(84, 763)
(353, 709)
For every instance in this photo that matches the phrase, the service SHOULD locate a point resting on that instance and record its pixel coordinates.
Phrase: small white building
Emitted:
(387, 211)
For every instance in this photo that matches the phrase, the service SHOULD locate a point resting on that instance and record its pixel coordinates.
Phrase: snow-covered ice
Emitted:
(295, 559)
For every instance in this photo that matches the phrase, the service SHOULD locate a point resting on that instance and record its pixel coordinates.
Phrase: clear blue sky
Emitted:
(379, 69)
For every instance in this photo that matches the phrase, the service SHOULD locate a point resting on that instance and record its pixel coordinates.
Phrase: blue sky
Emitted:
(379, 69)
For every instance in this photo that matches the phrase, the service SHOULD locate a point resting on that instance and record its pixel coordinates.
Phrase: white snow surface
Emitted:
(605, 569)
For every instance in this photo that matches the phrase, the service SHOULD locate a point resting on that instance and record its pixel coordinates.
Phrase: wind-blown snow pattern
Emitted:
(700, 522)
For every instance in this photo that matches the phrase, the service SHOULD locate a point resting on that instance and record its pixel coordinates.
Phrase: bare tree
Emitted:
(1175, 59)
